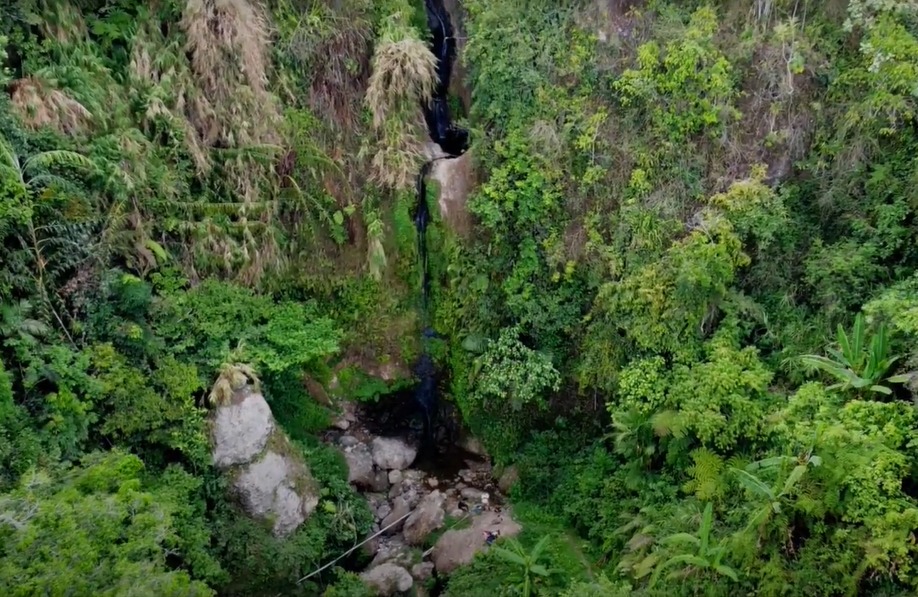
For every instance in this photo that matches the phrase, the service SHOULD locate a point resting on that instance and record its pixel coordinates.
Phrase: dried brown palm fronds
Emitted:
(334, 53)
(164, 84)
(397, 161)
(38, 104)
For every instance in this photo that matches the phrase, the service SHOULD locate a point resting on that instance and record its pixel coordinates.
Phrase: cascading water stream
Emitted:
(454, 141)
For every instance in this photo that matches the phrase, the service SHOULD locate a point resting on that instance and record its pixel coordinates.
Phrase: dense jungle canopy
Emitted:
(679, 297)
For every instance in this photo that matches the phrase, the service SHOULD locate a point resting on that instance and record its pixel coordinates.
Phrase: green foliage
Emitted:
(856, 363)
(513, 374)
(529, 571)
(704, 558)
(686, 87)
(100, 530)
(670, 203)
(347, 584)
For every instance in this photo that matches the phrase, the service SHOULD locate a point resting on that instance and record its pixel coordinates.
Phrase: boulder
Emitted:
(425, 519)
(473, 445)
(399, 509)
(392, 453)
(422, 571)
(393, 551)
(388, 579)
(458, 547)
(348, 441)
(380, 482)
(268, 474)
(241, 428)
(279, 489)
(359, 465)
(471, 494)
(383, 511)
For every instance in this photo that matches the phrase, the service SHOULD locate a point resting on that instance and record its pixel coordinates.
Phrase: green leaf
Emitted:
(157, 249)
(726, 571)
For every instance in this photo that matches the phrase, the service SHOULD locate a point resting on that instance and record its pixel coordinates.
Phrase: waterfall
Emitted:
(454, 141)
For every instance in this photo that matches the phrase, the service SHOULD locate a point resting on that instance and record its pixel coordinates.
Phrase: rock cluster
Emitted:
(410, 505)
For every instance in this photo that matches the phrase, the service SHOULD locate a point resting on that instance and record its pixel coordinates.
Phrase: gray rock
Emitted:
(458, 547)
(359, 465)
(342, 424)
(394, 551)
(425, 519)
(422, 571)
(395, 476)
(241, 428)
(380, 482)
(399, 509)
(388, 579)
(384, 510)
(348, 441)
(473, 445)
(279, 489)
(392, 453)
(433, 482)
(471, 494)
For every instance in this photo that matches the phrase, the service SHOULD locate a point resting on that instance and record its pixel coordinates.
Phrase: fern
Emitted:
(708, 481)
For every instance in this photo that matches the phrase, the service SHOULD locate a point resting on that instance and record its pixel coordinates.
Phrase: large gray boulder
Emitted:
(241, 428)
(269, 489)
(425, 519)
(388, 579)
(269, 475)
(458, 547)
(392, 453)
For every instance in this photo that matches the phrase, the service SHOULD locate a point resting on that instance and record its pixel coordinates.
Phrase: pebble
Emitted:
(432, 481)
(395, 477)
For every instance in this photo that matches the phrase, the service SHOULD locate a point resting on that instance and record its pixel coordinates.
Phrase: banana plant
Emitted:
(703, 555)
(528, 565)
(856, 363)
(772, 498)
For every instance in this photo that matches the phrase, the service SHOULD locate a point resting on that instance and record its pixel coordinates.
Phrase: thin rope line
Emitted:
(377, 534)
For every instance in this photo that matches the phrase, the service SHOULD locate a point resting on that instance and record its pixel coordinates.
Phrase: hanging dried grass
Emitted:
(39, 105)
(404, 76)
(60, 21)
(404, 72)
(228, 42)
(232, 378)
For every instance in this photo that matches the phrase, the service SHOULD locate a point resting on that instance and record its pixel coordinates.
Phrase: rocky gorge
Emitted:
(433, 509)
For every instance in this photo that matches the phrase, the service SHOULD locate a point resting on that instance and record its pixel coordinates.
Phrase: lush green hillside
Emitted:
(686, 310)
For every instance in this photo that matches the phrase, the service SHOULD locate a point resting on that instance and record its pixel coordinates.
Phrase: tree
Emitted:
(96, 530)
